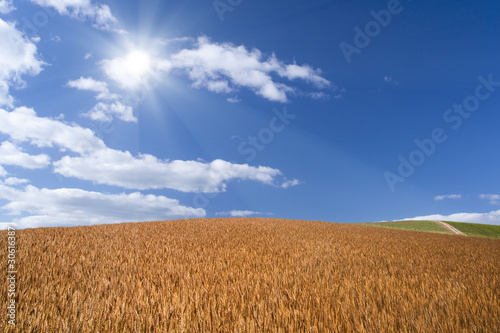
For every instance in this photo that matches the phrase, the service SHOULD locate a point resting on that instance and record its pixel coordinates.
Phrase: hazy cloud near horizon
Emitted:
(492, 217)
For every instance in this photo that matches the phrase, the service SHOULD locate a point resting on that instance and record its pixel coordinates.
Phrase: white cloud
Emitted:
(55, 38)
(18, 57)
(493, 198)
(304, 72)
(106, 111)
(12, 155)
(168, 41)
(103, 111)
(241, 213)
(23, 125)
(87, 56)
(113, 167)
(3, 172)
(485, 218)
(5, 98)
(290, 183)
(389, 79)
(12, 181)
(233, 99)
(84, 10)
(447, 196)
(103, 165)
(69, 207)
(320, 95)
(6, 6)
(223, 68)
(89, 84)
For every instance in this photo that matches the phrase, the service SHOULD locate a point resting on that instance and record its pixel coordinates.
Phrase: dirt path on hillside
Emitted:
(451, 228)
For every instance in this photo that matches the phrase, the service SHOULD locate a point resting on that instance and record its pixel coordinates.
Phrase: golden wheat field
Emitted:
(252, 275)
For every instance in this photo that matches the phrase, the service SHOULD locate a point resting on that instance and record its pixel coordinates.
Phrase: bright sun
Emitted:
(138, 62)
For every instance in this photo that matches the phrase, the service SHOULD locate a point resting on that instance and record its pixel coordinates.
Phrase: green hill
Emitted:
(427, 226)
(470, 229)
(477, 230)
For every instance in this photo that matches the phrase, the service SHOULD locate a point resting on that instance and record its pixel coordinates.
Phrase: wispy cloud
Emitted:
(389, 79)
(105, 112)
(12, 181)
(97, 14)
(241, 213)
(55, 38)
(233, 100)
(493, 198)
(89, 84)
(290, 183)
(447, 196)
(486, 218)
(6, 6)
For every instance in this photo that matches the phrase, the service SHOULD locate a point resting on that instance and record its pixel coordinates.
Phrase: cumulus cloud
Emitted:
(84, 10)
(23, 125)
(103, 165)
(69, 207)
(10, 154)
(493, 198)
(89, 84)
(224, 68)
(492, 217)
(447, 196)
(105, 112)
(241, 213)
(3, 172)
(18, 57)
(113, 167)
(6, 6)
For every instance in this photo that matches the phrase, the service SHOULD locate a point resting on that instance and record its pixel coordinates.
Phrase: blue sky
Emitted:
(342, 111)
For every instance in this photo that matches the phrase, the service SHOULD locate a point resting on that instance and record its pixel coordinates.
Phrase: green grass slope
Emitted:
(477, 230)
(427, 226)
(470, 229)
